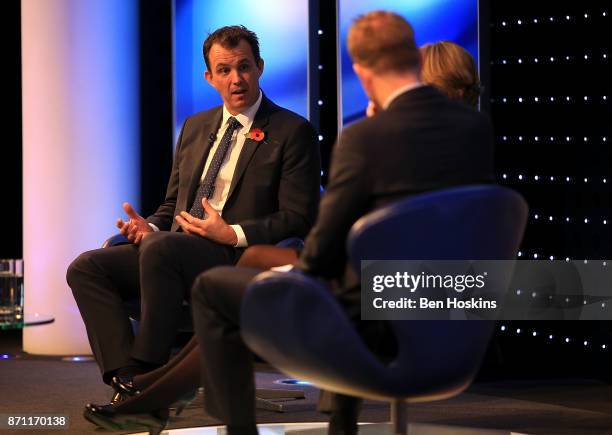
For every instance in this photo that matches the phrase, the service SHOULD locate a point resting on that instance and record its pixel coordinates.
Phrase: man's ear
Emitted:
(358, 70)
(208, 77)
(364, 74)
(260, 66)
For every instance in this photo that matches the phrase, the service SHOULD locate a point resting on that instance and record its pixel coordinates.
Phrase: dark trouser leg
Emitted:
(101, 280)
(227, 366)
(169, 263)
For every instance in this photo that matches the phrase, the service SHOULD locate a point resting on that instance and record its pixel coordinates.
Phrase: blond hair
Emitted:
(384, 42)
(452, 69)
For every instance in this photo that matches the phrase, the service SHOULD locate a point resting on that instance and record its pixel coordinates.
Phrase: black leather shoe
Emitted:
(117, 397)
(124, 386)
(107, 417)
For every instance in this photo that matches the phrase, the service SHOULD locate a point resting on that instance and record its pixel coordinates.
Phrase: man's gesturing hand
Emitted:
(213, 227)
(136, 228)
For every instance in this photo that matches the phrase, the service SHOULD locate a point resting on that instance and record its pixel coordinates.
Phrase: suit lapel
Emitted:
(250, 145)
(209, 130)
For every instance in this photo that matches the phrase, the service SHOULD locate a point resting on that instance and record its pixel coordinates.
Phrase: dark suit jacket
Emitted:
(423, 141)
(274, 192)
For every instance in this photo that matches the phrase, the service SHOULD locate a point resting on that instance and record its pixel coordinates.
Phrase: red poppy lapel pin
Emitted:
(256, 134)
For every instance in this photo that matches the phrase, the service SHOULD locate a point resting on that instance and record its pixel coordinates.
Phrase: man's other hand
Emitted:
(213, 227)
(136, 228)
(372, 109)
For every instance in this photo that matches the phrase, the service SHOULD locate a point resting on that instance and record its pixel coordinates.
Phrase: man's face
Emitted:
(235, 75)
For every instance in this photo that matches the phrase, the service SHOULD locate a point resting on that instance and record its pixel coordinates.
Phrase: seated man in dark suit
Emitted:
(419, 140)
(244, 173)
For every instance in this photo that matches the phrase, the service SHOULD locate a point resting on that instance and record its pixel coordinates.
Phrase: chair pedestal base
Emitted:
(399, 417)
(264, 394)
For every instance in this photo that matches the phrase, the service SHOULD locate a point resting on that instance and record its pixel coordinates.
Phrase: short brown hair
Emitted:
(452, 69)
(383, 41)
(230, 37)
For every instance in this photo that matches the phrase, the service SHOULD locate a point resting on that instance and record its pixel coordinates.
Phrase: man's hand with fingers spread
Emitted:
(213, 227)
(136, 228)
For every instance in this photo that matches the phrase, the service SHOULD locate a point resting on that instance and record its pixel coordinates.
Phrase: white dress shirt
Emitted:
(228, 167)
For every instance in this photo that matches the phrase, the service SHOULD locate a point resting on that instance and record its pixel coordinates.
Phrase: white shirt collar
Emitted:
(245, 118)
(400, 91)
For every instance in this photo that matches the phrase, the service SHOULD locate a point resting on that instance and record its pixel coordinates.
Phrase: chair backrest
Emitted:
(479, 222)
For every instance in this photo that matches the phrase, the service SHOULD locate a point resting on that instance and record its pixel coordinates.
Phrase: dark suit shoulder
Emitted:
(203, 116)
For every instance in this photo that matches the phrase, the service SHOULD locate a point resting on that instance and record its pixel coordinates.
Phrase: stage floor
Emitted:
(30, 385)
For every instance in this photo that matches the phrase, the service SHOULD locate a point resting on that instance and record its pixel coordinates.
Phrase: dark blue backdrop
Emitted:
(433, 20)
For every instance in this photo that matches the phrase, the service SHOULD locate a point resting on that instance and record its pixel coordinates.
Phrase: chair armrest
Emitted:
(290, 319)
(291, 242)
(117, 239)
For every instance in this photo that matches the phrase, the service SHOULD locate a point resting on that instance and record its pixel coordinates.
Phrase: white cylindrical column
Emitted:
(80, 149)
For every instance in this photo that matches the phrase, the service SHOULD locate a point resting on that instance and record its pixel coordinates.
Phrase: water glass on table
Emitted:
(11, 290)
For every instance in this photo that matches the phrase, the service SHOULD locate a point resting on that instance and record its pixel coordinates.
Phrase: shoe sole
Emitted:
(125, 424)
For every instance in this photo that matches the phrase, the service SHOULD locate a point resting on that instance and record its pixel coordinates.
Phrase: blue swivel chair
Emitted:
(295, 323)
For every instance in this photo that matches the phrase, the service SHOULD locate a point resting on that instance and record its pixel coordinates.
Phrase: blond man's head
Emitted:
(384, 43)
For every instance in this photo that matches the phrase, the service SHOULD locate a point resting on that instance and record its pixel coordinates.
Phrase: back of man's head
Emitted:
(383, 42)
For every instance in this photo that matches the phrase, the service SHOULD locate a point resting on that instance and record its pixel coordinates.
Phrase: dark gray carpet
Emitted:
(560, 407)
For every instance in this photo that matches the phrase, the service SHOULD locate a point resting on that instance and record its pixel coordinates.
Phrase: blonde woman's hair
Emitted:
(452, 69)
